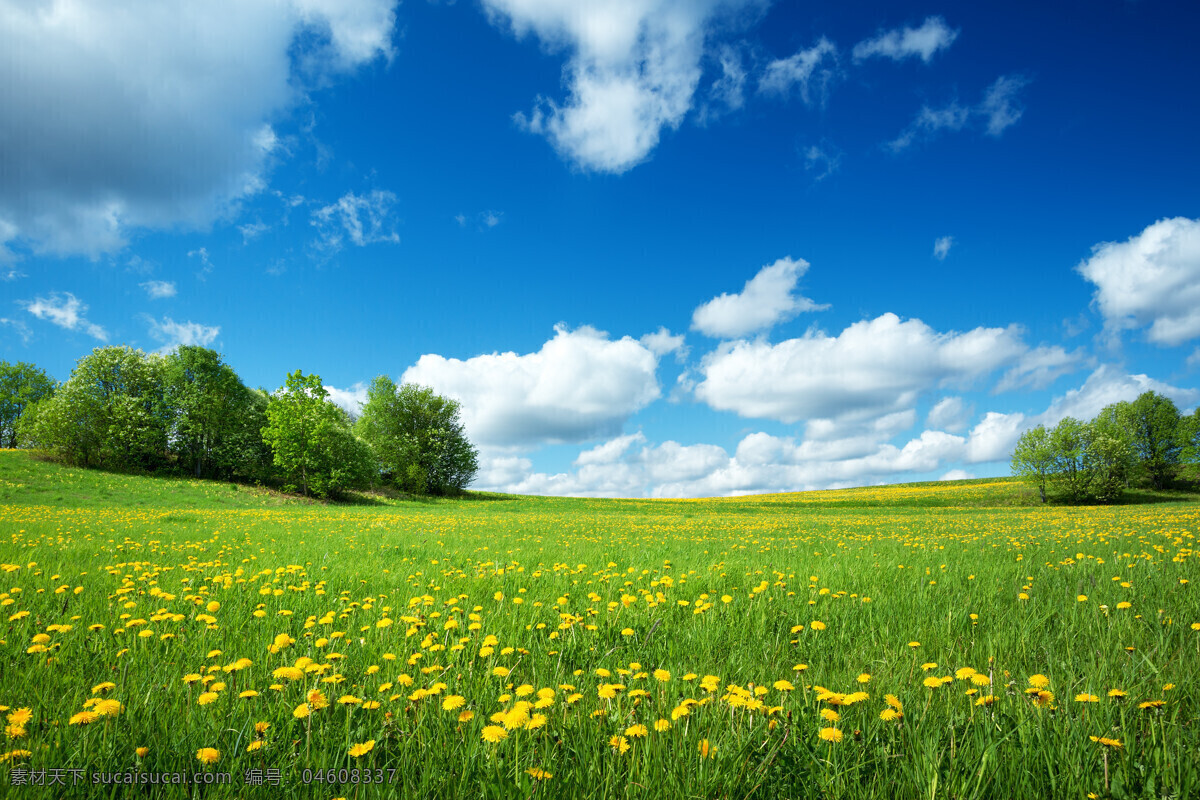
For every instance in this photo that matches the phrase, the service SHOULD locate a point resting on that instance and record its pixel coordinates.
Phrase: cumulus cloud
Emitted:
(350, 400)
(872, 368)
(999, 110)
(957, 475)
(901, 43)
(580, 385)
(66, 311)
(766, 299)
(1041, 367)
(172, 334)
(1106, 385)
(994, 437)
(121, 115)
(948, 414)
(728, 90)
(157, 290)
(941, 247)
(803, 69)
(363, 219)
(632, 71)
(630, 466)
(1151, 280)
(662, 342)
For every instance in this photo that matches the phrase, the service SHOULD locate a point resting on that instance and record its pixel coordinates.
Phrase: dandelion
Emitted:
(830, 735)
(1083, 697)
(254, 746)
(246, 695)
(1151, 704)
(260, 728)
(706, 750)
(636, 731)
(108, 708)
(1117, 694)
(829, 715)
(20, 717)
(301, 711)
(784, 686)
(1106, 741)
(539, 774)
(494, 734)
(661, 675)
(662, 725)
(932, 682)
(206, 698)
(83, 718)
(1039, 681)
(208, 755)
(452, 702)
(889, 715)
(359, 750)
(817, 625)
(141, 752)
(864, 678)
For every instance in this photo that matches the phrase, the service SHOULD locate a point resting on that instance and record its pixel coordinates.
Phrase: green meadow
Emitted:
(942, 640)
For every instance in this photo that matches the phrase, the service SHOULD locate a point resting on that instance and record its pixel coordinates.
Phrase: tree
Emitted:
(1069, 443)
(1154, 422)
(1033, 458)
(1108, 457)
(1189, 444)
(311, 440)
(208, 404)
(21, 385)
(418, 438)
(109, 413)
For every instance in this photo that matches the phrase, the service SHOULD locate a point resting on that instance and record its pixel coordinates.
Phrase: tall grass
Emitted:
(395, 609)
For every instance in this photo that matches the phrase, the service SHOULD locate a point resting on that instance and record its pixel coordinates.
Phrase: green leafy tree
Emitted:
(313, 445)
(1033, 458)
(1189, 444)
(21, 386)
(1108, 457)
(418, 438)
(1069, 442)
(1154, 422)
(110, 413)
(207, 400)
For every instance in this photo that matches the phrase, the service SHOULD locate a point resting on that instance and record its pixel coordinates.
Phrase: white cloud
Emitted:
(8, 275)
(1152, 279)
(999, 109)
(957, 475)
(1041, 367)
(874, 367)
(1109, 384)
(121, 115)
(1193, 360)
(632, 69)
(350, 400)
(66, 311)
(994, 437)
(364, 219)
(901, 43)
(941, 247)
(1000, 105)
(252, 230)
(803, 69)
(949, 414)
(728, 89)
(205, 264)
(172, 334)
(159, 289)
(22, 330)
(823, 159)
(662, 342)
(766, 299)
(929, 122)
(580, 385)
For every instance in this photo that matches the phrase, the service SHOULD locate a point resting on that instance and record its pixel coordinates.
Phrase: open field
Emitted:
(919, 641)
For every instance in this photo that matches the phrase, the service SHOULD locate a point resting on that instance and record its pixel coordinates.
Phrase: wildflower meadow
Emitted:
(935, 640)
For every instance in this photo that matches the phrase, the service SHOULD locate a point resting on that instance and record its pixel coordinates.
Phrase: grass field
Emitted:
(928, 640)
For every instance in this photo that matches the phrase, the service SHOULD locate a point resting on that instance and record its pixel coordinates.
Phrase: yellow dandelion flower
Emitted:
(141, 752)
(636, 731)
(1040, 681)
(539, 774)
(359, 750)
(208, 755)
(1086, 698)
(301, 711)
(206, 698)
(830, 735)
(494, 734)
(662, 725)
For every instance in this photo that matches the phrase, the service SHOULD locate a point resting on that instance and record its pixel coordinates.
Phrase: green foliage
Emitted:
(1033, 458)
(21, 386)
(312, 442)
(110, 413)
(1189, 445)
(418, 438)
(1069, 477)
(1108, 457)
(1154, 426)
(216, 420)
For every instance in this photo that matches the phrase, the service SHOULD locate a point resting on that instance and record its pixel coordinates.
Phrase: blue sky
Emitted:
(655, 248)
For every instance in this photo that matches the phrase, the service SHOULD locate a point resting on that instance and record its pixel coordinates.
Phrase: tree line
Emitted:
(1146, 442)
(188, 412)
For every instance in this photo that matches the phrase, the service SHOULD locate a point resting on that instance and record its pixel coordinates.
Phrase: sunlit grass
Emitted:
(901, 642)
